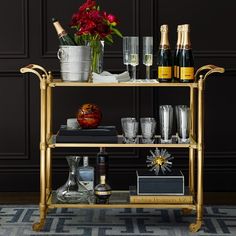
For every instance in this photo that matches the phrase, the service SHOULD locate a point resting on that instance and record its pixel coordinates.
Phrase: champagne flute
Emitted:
(126, 52)
(148, 54)
(134, 55)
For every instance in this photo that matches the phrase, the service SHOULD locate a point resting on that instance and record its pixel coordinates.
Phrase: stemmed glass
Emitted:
(148, 54)
(126, 52)
(134, 55)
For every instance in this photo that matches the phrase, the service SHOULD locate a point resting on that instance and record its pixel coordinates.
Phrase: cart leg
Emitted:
(192, 135)
(42, 206)
(186, 211)
(194, 227)
(43, 147)
(48, 173)
(39, 225)
(48, 111)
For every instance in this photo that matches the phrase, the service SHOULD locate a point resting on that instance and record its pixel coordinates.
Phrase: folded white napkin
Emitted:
(107, 77)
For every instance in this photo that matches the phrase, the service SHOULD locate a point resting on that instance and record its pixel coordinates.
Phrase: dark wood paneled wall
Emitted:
(27, 36)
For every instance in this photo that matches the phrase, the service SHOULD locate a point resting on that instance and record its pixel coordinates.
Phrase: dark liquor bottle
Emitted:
(102, 165)
(164, 62)
(177, 53)
(63, 36)
(102, 191)
(186, 57)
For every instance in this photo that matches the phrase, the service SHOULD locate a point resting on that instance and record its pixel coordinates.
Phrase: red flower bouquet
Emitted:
(93, 26)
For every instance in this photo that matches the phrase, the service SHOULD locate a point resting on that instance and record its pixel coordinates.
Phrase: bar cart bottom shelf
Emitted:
(119, 199)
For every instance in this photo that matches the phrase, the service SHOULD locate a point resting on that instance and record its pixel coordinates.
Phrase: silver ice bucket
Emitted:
(75, 63)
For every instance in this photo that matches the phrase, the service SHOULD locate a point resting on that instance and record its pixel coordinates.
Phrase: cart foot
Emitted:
(186, 211)
(194, 227)
(39, 225)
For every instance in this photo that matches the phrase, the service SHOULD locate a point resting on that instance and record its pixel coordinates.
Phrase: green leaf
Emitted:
(109, 38)
(108, 41)
(117, 32)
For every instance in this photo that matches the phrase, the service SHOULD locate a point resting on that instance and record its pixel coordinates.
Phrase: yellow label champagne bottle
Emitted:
(186, 57)
(64, 38)
(177, 53)
(164, 62)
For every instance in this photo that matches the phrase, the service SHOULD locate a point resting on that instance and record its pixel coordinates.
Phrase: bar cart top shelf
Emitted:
(138, 83)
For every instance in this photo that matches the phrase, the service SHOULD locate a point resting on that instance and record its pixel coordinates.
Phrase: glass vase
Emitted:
(97, 51)
(69, 193)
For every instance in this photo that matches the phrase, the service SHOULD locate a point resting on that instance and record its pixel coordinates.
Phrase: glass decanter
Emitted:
(68, 192)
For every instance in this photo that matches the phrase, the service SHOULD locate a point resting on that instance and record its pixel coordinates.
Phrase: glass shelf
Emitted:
(53, 144)
(140, 83)
(118, 199)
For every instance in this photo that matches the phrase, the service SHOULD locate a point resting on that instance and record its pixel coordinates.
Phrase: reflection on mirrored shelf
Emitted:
(156, 140)
(117, 197)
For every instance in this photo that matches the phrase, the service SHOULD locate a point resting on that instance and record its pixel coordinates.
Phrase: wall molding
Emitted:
(25, 22)
(21, 155)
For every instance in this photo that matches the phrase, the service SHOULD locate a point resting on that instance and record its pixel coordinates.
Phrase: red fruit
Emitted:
(89, 116)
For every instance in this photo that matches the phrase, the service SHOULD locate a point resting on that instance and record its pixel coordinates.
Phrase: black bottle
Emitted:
(102, 165)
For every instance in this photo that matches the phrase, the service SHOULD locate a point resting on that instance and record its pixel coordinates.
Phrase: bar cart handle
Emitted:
(35, 69)
(211, 69)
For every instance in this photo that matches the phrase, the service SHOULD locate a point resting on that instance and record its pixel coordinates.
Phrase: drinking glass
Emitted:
(166, 123)
(130, 129)
(126, 52)
(148, 127)
(134, 55)
(148, 54)
(183, 123)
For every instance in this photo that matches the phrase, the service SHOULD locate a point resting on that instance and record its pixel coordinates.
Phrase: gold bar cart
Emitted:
(196, 145)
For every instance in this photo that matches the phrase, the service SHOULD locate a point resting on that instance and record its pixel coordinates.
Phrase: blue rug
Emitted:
(18, 220)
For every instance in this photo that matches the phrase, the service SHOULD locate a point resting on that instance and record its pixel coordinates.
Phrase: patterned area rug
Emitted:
(18, 220)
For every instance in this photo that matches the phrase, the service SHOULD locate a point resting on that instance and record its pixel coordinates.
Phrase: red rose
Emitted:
(110, 18)
(87, 5)
(103, 30)
(95, 15)
(75, 19)
(87, 27)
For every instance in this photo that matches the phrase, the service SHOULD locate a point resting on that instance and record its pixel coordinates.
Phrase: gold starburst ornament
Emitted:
(159, 160)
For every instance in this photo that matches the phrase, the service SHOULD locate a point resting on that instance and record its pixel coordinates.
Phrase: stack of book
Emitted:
(102, 134)
(187, 198)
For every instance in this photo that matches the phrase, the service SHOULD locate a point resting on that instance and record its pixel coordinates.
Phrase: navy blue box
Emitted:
(150, 184)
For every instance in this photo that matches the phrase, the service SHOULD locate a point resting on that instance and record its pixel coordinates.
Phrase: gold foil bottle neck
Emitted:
(164, 28)
(59, 29)
(186, 36)
(179, 36)
(186, 27)
(179, 28)
(164, 42)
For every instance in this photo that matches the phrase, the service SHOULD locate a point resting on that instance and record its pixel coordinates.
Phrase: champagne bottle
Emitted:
(164, 62)
(186, 57)
(177, 53)
(63, 36)
(102, 165)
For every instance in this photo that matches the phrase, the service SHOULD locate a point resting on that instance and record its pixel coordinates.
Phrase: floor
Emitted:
(17, 220)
